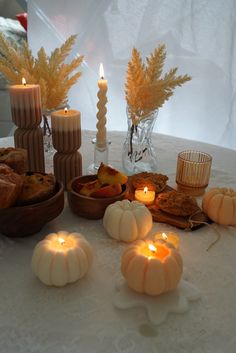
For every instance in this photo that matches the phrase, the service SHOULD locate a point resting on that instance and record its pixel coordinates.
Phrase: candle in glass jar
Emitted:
(147, 197)
(101, 138)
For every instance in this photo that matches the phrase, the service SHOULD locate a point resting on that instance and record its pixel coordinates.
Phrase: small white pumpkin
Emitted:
(61, 258)
(127, 220)
(220, 205)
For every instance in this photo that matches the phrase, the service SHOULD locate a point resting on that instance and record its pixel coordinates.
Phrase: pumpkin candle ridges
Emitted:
(61, 258)
(152, 267)
(127, 221)
(220, 205)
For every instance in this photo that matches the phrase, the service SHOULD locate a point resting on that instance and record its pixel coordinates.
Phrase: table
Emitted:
(81, 317)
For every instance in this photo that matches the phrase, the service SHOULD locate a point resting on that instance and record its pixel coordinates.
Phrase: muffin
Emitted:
(37, 187)
(16, 158)
(11, 185)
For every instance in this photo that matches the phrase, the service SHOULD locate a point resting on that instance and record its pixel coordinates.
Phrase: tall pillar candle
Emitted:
(66, 139)
(101, 138)
(27, 115)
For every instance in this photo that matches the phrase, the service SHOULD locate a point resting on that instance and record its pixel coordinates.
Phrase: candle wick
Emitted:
(24, 83)
(102, 77)
(61, 241)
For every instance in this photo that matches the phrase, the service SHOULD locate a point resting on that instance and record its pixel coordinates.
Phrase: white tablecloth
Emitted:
(81, 317)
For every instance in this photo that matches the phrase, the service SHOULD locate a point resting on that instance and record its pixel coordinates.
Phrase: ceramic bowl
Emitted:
(86, 206)
(21, 221)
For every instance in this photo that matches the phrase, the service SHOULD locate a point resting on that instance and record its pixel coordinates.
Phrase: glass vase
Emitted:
(47, 130)
(138, 152)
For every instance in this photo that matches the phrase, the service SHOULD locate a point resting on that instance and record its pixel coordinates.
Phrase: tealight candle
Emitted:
(151, 267)
(169, 237)
(147, 197)
(61, 258)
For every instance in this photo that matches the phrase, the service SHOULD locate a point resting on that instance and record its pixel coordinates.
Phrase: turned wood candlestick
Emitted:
(66, 139)
(27, 116)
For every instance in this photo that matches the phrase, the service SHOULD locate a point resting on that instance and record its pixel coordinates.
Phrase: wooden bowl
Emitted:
(86, 206)
(22, 221)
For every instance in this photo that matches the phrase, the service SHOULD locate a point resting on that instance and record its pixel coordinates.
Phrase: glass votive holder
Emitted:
(193, 172)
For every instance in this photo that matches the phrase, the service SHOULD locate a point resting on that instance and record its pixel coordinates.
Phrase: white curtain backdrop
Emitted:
(200, 37)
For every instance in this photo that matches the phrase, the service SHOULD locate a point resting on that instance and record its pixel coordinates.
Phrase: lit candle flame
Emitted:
(164, 236)
(101, 71)
(65, 110)
(23, 81)
(145, 189)
(152, 247)
(61, 241)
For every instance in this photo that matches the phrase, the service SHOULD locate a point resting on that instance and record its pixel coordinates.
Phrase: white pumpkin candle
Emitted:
(220, 205)
(169, 237)
(101, 138)
(151, 267)
(127, 221)
(25, 104)
(61, 258)
(145, 196)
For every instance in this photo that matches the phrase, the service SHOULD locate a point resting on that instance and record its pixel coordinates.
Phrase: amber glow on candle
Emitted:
(152, 248)
(157, 251)
(164, 236)
(61, 241)
(169, 237)
(65, 120)
(145, 196)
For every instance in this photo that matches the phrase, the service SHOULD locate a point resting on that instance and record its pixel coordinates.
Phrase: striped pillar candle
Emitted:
(66, 139)
(27, 115)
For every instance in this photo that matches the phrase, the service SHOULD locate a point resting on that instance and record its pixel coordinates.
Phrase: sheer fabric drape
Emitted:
(200, 40)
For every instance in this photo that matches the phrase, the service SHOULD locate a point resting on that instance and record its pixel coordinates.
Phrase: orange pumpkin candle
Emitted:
(151, 267)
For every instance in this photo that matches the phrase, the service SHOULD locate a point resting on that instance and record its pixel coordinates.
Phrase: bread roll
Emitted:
(10, 186)
(37, 187)
(7, 194)
(16, 158)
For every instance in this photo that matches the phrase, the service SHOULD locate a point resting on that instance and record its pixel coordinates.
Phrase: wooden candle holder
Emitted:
(27, 116)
